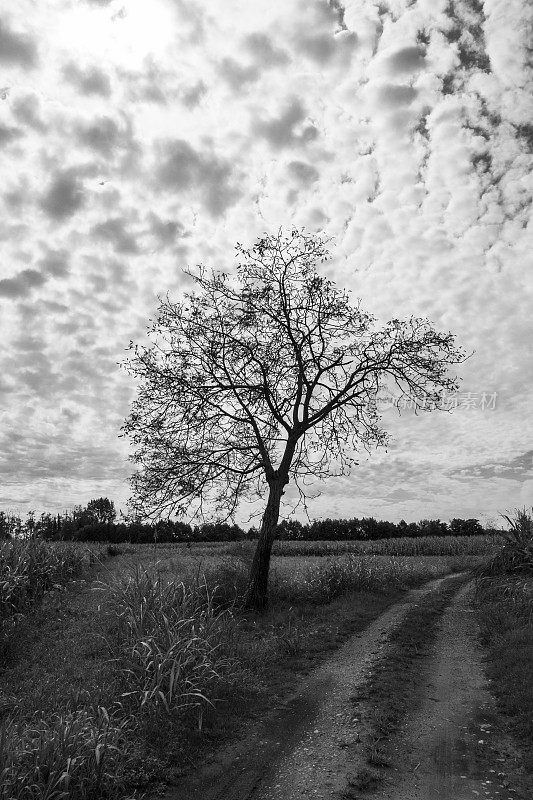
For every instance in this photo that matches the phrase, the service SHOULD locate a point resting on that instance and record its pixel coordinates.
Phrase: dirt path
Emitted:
(307, 747)
(449, 749)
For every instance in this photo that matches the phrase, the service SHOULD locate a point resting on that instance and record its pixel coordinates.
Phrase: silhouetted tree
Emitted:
(100, 511)
(266, 377)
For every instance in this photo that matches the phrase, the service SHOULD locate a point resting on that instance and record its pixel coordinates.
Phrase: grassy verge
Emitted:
(392, 690)
(504, 607)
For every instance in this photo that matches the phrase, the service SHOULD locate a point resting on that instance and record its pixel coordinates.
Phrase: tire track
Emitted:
(445, 749)
(307, 747)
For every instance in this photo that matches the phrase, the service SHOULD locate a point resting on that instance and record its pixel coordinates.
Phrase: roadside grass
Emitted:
(392, 691)
(75, 755)
(504, 606)
(179, 668)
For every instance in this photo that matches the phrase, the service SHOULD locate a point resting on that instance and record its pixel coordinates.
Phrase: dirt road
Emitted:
(310, 746)
(444, 751)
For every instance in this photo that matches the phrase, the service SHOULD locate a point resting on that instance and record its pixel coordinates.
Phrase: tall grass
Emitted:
(30, 567)
(515, 555)
(350, 573)
(71, 757)
(174, 645)
(404, 546)
(504, 604)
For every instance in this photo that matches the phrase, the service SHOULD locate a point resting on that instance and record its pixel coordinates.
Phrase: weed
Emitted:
(75, 756)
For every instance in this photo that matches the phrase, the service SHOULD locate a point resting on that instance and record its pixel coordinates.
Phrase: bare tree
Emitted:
(264, 377)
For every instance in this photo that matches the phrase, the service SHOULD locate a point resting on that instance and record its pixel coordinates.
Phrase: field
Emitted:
(119, 667)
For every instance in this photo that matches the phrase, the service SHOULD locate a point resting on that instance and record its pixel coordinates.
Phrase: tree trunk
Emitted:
(257, 592)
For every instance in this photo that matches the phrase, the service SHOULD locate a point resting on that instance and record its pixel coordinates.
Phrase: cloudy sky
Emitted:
(140, 136)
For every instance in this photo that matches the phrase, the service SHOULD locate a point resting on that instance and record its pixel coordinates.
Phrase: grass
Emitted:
(28, 569)
(403, 546)
(504, 605)
(322, 582)
(175, 646)
(163, 646)
(73, 755)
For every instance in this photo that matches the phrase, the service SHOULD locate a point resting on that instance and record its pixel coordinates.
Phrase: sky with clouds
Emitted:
(139, 137)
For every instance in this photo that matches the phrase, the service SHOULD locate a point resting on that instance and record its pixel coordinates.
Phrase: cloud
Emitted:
(22, 284)
(180, 167)
(237, 75)
(16, 48)
(55, 263)
(260, 46)
(102, 135)
(519, 468)
(406, 61)
(303, 172)
(114, 231)
(9, 134)
(89, 81)
(64, 196)
(399, 495)
(191, 96)
(26, 110)
(396, 96)
(323, 47)
(282, 131)
(165, 231)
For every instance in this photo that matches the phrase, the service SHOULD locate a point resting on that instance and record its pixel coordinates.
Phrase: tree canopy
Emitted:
(265, 376)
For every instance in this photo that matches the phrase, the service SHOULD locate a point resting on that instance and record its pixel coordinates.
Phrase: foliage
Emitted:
(516, 554)
(173, 645)
(71, 757)
(504, 605)
(102, 510)
(30, 567)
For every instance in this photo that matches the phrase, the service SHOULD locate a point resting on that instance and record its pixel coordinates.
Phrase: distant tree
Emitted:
(10, 525)
(432, 527)
(101, 510)
(466, 527)
(290, 530)
(264, 378)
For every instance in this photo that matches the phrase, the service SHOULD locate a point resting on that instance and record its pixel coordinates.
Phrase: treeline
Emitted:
(97, 522)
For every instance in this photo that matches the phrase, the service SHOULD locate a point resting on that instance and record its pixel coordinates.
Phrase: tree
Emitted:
(99, 511)
(265, 377)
